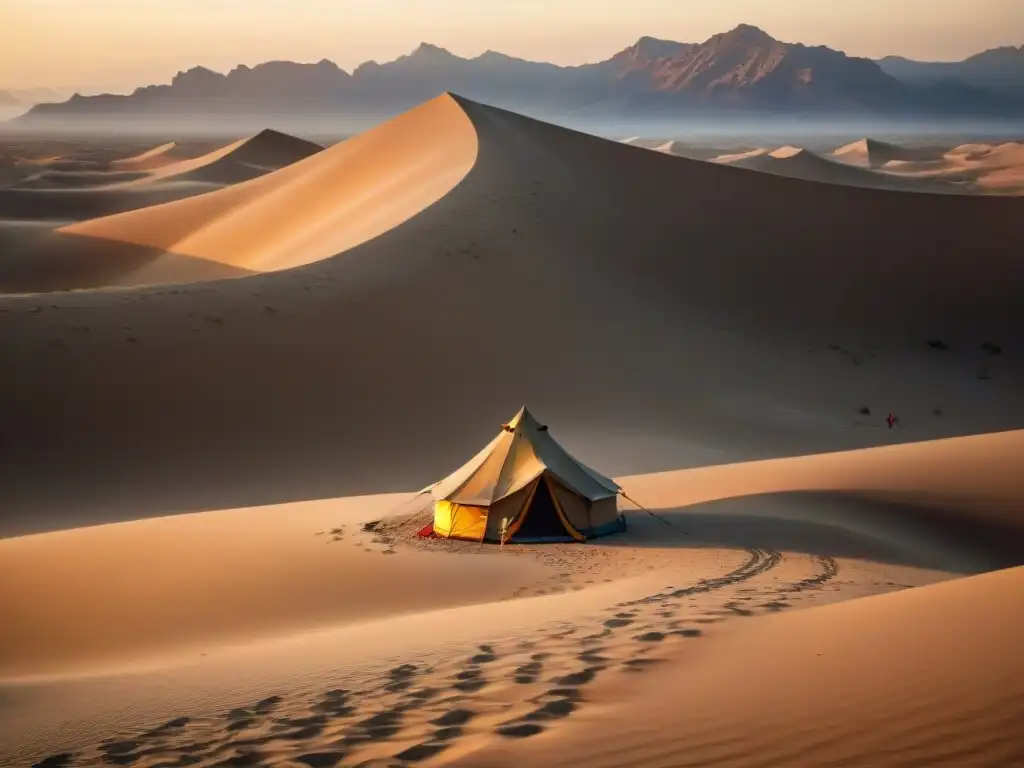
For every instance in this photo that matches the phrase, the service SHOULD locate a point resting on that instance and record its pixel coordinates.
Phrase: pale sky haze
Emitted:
(119, 44)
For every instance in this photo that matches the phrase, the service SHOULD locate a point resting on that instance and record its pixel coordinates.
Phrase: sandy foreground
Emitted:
(186, 577)
(293, 636)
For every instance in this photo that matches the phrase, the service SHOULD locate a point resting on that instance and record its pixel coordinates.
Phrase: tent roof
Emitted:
(516, 457)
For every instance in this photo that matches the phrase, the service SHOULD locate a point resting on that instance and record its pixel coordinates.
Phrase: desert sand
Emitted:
(801, 163)
(872, 153)
(46, 194)
(965, 169)
(187, 571)
(242, 160)
(982, 168)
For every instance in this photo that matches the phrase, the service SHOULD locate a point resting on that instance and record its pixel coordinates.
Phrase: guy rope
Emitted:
(635, 503)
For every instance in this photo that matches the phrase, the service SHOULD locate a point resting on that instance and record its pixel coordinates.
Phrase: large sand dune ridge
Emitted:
(308, 211)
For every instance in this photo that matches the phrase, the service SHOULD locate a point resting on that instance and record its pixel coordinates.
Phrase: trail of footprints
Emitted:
(424, 710)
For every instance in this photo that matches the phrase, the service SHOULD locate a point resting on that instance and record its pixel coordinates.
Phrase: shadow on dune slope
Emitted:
(62, 205)
(58, 260)
(846, 525)
(660, 312)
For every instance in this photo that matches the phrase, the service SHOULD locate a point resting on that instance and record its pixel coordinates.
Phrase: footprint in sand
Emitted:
(597, 638)
(469, 681)
(172, 725)
(265, 706)
(119, 752)
(735, 608)
(557, 704)
(454, 717)
(321, 759)
(420, 752)
(689, 632)
(377, 727)
(620, 620)
(300, 728)
(486, 655)
(582, 677)
(593, 657)
(416, 699)
(334, 703)
(639, 664)
(400, 678)
(527, 674)
(519, 730)
(650, 637)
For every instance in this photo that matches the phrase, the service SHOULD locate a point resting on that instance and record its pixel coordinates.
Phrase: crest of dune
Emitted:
(732, 158)
(671, 148)
(872, 153)
(310, 210)
(158, 157)
(801, 163)
(239, 161)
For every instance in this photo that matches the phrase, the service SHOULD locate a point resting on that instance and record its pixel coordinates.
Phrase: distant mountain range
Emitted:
(1000, 71)
(744, 69)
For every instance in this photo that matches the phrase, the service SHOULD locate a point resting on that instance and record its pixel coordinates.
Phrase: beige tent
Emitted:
(527, 479)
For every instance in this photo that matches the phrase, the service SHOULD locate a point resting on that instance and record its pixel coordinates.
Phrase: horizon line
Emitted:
(78, 90)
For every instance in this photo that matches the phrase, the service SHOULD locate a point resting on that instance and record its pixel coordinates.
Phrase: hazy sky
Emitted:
(118, 44)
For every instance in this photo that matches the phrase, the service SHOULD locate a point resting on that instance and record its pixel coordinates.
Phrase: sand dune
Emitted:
(41, 260)
(979, 167)
(124, 591)
(315, 208)
(672, 148)
(865, 683)
(638, 141)
(81, 179)
(846, 321)
(803, 164)
(150, 160)
(871, 153)
(82, 185)
(245, 159)
(735, 156)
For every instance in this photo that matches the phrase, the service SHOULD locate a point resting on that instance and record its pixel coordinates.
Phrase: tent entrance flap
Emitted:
(541, 517)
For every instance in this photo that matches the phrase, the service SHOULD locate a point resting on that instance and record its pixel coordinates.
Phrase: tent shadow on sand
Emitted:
(835, 524)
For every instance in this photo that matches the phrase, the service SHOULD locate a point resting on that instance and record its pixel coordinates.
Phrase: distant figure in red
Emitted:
(891, 420)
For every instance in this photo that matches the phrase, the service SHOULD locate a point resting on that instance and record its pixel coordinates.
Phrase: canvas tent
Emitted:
(525, 477)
